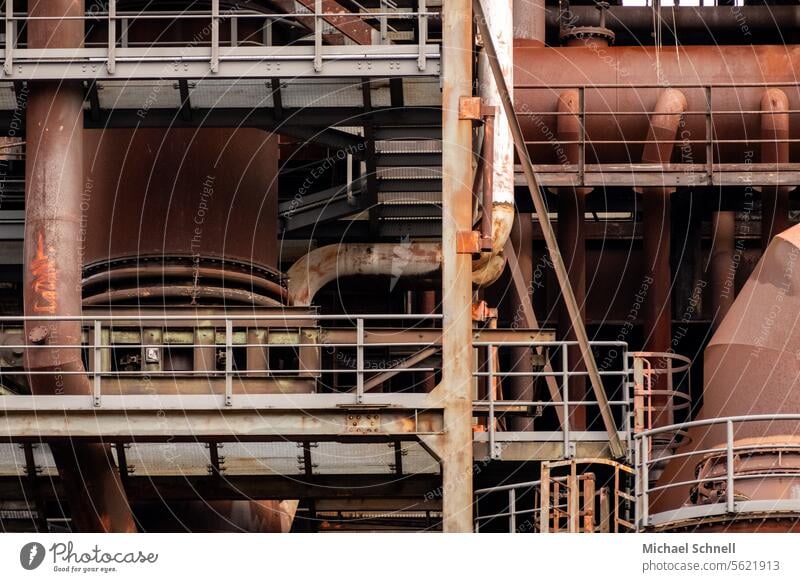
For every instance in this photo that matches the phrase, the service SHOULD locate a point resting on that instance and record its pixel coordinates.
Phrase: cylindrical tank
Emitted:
(542, 74)
(180, 214)
(751, 368)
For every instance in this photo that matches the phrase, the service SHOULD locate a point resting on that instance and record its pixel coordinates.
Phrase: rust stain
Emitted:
(45, 279)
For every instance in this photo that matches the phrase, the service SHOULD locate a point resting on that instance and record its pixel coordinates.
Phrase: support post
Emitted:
(456, 387)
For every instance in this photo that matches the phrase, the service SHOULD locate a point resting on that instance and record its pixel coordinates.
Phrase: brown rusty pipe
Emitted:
(656, 223)
(572, 242)
(321, 266)
(487, 174)
(723, 264)
(52, 275)
(774, 199)
(487, 268)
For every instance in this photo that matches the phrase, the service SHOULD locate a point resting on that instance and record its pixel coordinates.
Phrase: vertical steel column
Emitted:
(456, 387)
(572, 243)
(52, 273)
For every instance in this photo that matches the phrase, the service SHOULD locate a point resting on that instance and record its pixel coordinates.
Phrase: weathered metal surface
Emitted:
(547, 229)
(208, 193)
(572, 245)
(154, 424)
(723, 265)
(454, 391)
(657, 232)
(774, 127)
(750, 367)
(543, 73)
(52, 270)
(326, 264)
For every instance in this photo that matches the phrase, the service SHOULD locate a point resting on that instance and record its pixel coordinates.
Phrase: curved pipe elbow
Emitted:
(325, 264)
(490, 272)
(663, 129)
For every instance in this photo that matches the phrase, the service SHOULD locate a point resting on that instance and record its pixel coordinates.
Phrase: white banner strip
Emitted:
(399, 557)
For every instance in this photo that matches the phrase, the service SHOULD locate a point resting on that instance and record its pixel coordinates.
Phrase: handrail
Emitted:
(730, 451)
(215, 16)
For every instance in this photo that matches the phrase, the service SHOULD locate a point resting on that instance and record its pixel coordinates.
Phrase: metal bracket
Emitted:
(470, 109)
(468, 242)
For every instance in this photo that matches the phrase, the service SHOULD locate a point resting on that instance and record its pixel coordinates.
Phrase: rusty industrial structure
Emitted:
(406, 265)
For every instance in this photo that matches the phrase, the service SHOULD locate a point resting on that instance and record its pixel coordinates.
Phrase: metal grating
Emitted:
(8, 99)
(139, 95)
(162, 459)
(278, 458)
(351, 458)
(12, 460)
(321, 93)
(246, 93)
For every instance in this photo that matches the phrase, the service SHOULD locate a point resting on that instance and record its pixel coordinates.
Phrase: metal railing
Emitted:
(231, 350)
(497, 407)
(719, 469)
(314, 19)
(710, 171)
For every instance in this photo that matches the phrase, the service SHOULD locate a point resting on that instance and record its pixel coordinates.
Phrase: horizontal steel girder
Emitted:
(252, 417)
(234, 63)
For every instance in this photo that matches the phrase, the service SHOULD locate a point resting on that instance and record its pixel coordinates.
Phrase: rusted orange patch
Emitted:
(45, 279)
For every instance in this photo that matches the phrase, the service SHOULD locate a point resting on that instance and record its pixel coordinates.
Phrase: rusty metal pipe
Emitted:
(321, 266)
(487, 176)
(774, 199)
(723, 265)
(54, 182)
(622, 87)
(500, 22)
(572, 242)
(656, 225)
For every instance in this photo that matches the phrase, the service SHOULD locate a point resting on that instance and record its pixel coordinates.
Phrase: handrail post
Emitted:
(317, 36)
(97, 365)
(709, 136)
(360, 360)
(112, 36)
(565, 400)
(422, 32)
(512, 511)
(214, 36)
(490, 390)
(11, 40)
(729, 496)
(637, 488)
(645, 480)
(228, 362)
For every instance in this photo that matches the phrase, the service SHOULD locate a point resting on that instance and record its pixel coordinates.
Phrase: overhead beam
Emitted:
(142, 488)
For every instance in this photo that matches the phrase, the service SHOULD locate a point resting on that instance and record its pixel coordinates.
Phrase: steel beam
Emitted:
(121, 420)
(252, 62)
(455, 449)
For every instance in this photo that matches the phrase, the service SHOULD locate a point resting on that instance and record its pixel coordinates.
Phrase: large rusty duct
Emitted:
(750, 368)
(54, 183)
(177, 218)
